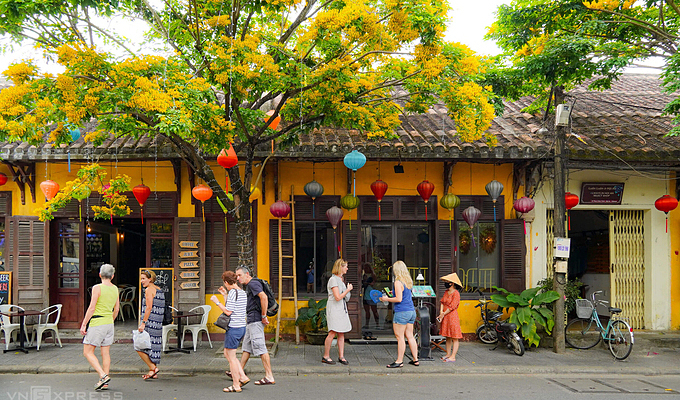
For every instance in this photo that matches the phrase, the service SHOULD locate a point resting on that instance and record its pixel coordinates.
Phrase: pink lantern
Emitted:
(524, 205)
(280, 209)
(334, 215)
(471, 215)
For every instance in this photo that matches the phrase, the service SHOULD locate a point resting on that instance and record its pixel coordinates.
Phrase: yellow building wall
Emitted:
(674, 231)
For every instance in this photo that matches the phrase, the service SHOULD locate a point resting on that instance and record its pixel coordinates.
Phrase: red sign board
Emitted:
(601, 193)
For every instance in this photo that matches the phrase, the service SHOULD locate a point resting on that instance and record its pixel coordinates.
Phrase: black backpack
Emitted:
(272, 305)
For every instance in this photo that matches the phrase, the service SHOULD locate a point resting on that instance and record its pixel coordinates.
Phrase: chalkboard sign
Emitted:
(164, 280)
(5, 288)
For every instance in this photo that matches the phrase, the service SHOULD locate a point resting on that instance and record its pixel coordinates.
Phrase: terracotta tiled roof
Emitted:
(624, 122)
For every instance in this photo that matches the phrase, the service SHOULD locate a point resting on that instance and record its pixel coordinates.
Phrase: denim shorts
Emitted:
(404, 317)
(233, 337)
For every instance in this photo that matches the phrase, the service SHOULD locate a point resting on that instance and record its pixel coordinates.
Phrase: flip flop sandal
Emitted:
(151, 376)
(102, 381)
(232, 389)
(265, 381)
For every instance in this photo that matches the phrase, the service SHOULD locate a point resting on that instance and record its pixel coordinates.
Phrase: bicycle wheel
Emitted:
(487, 334)
(620, 338)
(582, 333)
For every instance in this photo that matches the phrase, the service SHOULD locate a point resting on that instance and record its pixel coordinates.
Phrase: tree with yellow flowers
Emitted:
(331, 63)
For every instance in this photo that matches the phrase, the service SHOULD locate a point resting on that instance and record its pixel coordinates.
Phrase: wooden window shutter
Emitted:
(286, 251)
(9, 246)
(215, 249)
(513, 255)
(190, 229)
(484, 204)
(446, 255)
(232, 246)
(351, 252)
(306, 211)
(29, 245)
(369, 208)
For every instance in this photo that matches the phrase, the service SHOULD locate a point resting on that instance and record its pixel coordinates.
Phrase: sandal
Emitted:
(396, 365)
(232, 389)
(153, 375)
(243, 383)
(264, 381)
(343, 361)
(415, 362)
(102, 381)
(327, 361)
(227, 373)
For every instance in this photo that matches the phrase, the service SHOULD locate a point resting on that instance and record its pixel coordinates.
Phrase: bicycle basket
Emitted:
(584, 308)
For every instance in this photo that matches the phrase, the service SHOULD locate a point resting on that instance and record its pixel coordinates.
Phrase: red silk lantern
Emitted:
(202, 193)
(666, 203)
(3, 179)
(280, 209)
(570, 201)
(49, 188)
(379, 188)
(425, 189)
(524, 205)
(141, 193)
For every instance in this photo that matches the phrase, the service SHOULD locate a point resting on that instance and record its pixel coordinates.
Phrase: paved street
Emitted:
(344, 387)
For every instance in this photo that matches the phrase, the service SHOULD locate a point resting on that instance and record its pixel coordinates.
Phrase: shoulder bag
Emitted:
(224, 319)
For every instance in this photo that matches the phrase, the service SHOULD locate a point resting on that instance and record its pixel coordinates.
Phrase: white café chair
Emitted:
(197, 328)
(127, 298)
(46, 325)
(167, 329)
(8, 328)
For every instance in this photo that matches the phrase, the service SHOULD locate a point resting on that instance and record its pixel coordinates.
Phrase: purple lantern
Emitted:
(524, 205)
(471, 215)
(280, 209)
(334, 215)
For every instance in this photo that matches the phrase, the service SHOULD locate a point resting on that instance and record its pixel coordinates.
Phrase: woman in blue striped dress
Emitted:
(235, 308)
(153, 309)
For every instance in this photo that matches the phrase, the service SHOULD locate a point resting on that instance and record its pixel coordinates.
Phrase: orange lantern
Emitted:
(49, 188)
(275, 122)
(202, 193)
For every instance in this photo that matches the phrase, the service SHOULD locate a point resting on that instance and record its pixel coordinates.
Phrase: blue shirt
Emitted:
(406, 303)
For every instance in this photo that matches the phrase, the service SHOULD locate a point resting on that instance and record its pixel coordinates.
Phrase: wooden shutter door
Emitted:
(446, 256)
(286, 250)
(28, 255)
(189, 229)
(513, 255)
(215, 254)
(351, 252)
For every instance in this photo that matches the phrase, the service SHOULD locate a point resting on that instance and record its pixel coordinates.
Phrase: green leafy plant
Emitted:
(314, 314)
(572, 291)
(530, 310)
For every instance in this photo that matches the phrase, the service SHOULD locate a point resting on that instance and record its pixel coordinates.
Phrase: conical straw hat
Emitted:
(452, 278)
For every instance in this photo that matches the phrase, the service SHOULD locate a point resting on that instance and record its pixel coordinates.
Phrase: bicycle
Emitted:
(586, 331)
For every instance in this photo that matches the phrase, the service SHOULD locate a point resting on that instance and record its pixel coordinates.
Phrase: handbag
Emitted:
(224, 319)
(141, 340)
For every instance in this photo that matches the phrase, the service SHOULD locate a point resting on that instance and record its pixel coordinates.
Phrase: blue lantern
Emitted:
(354, 160)
(75, 135)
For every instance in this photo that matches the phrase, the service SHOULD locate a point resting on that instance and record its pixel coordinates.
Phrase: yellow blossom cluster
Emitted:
(535, 46)
(471, 111)
(609, 5)
(80, 58)
(20, 72)
(402, 28)
(218, 20)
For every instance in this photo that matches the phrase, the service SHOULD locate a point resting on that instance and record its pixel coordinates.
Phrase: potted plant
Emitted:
(314, 316)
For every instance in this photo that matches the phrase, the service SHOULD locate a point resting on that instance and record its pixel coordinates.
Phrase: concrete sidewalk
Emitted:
(654, 353)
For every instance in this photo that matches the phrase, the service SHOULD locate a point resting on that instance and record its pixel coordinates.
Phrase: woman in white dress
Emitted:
(337, 316)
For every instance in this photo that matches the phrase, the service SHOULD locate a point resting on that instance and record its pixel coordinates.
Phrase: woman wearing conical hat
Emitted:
(448, 316)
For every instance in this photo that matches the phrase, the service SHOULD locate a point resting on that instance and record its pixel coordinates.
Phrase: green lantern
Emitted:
(81, 193)
(450, 201)
(349, 203)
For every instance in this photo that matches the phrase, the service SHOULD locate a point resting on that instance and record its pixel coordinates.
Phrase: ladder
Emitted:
(292, 277)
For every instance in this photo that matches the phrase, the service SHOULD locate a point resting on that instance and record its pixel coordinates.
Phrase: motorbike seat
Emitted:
(508, 326)
(614, 310)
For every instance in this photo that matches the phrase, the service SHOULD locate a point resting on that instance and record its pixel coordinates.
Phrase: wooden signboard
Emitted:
(188, 254)
(189, 285)
(5, 288)
(188, 264)
(164, 280)
(188, 244)
(189, 275)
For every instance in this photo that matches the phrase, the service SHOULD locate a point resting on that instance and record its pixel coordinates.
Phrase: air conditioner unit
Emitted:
(562, 113)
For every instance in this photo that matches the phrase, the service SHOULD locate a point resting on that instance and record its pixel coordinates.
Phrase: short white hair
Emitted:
(107, 271)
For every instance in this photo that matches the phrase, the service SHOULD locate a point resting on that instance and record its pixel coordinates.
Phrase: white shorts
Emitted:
(253, 340)
(99, 336)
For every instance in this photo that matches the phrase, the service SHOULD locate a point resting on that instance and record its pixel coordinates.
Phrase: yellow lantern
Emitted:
(255, 193)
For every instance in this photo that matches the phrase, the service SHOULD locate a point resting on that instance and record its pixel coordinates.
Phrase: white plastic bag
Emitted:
(141, 340)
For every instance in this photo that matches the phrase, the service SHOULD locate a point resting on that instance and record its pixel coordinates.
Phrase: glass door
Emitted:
(69, 274)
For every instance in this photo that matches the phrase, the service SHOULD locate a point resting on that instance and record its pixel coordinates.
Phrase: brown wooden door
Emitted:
(351, 252)
(67, 271)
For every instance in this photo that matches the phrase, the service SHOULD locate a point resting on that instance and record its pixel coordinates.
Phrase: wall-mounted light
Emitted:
(89, 228)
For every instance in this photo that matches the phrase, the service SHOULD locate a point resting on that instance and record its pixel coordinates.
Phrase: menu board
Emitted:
(189, 259)
(164, 280)
(5, 288)
(423, 291)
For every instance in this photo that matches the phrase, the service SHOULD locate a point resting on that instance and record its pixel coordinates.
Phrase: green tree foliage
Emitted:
(562, 43)
(210, 69)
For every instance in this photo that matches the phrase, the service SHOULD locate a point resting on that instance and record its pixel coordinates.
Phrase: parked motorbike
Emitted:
(495, 331)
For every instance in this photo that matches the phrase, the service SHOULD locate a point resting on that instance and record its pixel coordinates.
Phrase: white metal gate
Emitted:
(626, 268)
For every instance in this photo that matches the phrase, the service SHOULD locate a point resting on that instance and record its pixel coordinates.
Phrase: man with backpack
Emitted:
(256, 309)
